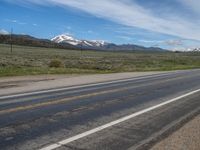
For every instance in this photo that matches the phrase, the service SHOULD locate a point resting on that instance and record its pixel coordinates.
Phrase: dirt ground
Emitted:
(186, 138)
(9, 85)
(8, 82)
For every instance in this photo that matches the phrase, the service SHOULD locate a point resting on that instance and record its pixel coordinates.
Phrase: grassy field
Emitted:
(32, 61)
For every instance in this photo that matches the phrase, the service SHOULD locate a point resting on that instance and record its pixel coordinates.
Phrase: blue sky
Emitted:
(172, 24)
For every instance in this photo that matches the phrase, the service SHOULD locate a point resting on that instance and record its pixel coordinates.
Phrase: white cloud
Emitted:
(150, 41)
(129, 13)
(181, 44)
(127, 38)
(176, 42)
(15, 21)
(193, 5)
(34, 24)
(4, 32)
(68, 27)
(90, 31)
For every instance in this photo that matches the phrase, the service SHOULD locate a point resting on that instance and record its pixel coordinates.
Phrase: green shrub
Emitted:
(56, 63)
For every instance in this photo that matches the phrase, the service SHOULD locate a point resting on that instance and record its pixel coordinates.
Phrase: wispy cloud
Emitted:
(181, 44)
(127, 38)
(4, 32)
(176, 42)
(90, 31)
(193, 5)
(150, 41)
(20, 22)
(15, 21)
(130, 13)
(35, 24)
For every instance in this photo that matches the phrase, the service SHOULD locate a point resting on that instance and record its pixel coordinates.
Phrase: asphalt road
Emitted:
(118, 115)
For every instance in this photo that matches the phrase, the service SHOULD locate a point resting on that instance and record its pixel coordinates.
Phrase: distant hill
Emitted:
(27, 40)
(67, 42)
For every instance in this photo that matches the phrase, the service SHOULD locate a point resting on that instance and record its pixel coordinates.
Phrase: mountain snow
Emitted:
(196, 50)
(99, 42)
(66, 39)
(193, 49)
(63, 38)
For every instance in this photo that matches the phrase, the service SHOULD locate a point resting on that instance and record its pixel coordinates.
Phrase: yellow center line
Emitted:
(21, 108)
(43, 104)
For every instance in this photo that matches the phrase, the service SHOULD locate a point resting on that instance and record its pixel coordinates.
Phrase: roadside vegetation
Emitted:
(34, 60)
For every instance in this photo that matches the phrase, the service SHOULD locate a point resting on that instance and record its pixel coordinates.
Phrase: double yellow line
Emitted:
(43, 104)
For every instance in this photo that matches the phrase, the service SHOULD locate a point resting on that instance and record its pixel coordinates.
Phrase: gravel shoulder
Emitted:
(11, 85)
(185, 138)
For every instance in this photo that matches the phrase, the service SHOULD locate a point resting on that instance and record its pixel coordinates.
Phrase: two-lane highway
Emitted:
(124, 114)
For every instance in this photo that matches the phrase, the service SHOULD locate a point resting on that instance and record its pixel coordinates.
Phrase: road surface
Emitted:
(124, 114)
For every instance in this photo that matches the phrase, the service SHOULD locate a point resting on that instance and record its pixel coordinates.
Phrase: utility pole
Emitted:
(81, 49)
(11, 42)
(174, 59)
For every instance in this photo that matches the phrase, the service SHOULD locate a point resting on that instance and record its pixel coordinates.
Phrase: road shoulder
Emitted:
(28, 84)
(187, 137)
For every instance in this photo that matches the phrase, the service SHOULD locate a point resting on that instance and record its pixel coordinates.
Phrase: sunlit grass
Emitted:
(35, 60)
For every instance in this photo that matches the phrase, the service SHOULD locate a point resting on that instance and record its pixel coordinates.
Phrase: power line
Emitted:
(11, 42)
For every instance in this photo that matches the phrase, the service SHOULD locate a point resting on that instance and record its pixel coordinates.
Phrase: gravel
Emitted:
(186, 138)
(37, 83)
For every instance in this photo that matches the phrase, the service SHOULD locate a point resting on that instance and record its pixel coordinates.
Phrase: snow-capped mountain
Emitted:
(194, 49)
(63, 38)
(68, 42)
(99, 44)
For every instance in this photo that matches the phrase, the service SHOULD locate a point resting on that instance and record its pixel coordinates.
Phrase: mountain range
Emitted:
(100, 44)
(26, 40)
(197, 49)
(63, 38)
(68, 42)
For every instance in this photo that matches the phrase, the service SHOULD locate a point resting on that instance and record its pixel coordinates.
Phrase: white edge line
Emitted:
(81, 86)
(79, 136)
